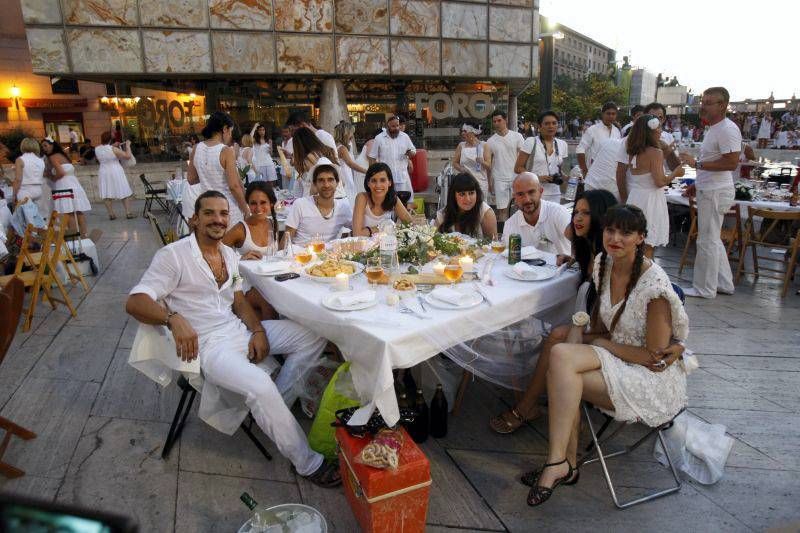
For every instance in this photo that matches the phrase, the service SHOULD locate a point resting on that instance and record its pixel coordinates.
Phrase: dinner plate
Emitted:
(321, 279)
(536, 274)
(476, 299)
(330, 302)
(260, 268)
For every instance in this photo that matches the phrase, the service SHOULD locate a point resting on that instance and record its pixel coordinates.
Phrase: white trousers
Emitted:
(225, 364)
(712, 271)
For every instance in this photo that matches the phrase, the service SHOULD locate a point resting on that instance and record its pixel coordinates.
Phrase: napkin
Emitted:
(451, 296)
(523, 270)
(346, 300)
(272, 268)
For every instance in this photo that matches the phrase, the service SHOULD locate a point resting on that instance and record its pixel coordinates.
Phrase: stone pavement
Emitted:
(101, 426)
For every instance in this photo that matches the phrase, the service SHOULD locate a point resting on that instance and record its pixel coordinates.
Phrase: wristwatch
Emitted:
(698, 165)
(580, 319)
(170, 314)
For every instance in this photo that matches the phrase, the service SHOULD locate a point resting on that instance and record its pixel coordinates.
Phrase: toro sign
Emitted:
(455, 105)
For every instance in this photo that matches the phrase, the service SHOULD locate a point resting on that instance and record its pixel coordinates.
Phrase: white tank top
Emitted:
(261, 155)
(639, 181)
(209, 169)
(249, 245)
(371, 220)
(32, 171)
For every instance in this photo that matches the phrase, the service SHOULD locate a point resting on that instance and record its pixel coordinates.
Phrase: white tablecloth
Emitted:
(675, 196)
(380, 338)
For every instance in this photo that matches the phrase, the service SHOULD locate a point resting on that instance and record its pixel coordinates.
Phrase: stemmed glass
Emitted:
(453, 273)
(374, 270)
(317, 244)
(498, 244)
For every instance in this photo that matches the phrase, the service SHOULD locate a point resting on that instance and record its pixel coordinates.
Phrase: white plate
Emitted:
(319, 279)
(538, 274)
(260, 268)
(329, 301)
(476, 299)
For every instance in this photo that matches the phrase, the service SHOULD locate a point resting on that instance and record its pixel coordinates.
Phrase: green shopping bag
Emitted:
(339, 394)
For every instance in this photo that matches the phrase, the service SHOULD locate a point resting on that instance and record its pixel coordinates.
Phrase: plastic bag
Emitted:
(128, 163)
(696, 447)
(339, 394)
(384, 450)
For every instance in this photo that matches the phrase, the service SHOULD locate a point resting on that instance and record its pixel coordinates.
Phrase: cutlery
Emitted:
(421, 303)
(480, 291)
(407, 310)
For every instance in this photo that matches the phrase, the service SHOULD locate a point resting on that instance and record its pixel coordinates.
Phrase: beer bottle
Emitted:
(439, 413)
(419, 429)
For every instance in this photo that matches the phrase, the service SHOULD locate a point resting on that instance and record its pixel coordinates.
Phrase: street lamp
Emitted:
(547, 41)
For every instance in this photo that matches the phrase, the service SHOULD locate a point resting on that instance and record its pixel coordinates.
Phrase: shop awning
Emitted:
(6, 102)
(53, 103)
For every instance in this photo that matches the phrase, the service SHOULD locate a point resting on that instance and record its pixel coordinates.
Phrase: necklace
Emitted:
(220, 271)
(316, 203)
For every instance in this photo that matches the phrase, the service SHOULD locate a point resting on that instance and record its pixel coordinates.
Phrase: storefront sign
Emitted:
(162, 113)
(454, 105)
(53, 103)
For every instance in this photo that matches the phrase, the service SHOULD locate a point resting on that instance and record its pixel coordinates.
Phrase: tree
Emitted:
(573, 98)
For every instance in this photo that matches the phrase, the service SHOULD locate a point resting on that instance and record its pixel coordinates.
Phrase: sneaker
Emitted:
(692, 293)
(727, 293)
(326, 476)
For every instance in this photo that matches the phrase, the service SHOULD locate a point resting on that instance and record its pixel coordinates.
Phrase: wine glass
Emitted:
(317, 244)
(374, 270)
(303, 256)
(498, 244)
(453, 273)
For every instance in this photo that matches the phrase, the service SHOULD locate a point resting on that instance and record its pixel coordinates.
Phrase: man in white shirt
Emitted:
(719, 155)
(589, 146)
(636, 112)
(502, 155)
(540, 223)
(198, 281)
(320, 214)
(394, 147)
(603, 172)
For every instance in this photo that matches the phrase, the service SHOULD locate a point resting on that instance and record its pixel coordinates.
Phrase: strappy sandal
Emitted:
(501, 425)
(539, 494)
(530, 479)
(130, 216)
(326, 476)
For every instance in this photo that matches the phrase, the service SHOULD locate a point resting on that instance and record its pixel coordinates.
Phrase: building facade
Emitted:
(577, 56)
(643, 87)
(164, 65)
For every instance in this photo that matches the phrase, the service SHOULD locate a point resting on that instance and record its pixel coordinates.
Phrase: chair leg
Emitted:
(12, 430)
(689, 239)
(246, 427)
(178, 421)
(462, 390)
(790, 267)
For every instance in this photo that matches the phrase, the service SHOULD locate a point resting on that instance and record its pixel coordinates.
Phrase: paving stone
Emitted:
(40, 488)
(780, 387)
(19, 362)
(103, 310)
(117, 468)
(745, 341)
(129, 333)
(710, 390)
(210, 503)
(332, 503)
(56, 410)
(80, 353)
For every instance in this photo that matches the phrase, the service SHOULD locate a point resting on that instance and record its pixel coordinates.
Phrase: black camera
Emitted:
(557, 178)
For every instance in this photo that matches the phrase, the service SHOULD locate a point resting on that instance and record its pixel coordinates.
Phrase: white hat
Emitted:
(324, 162)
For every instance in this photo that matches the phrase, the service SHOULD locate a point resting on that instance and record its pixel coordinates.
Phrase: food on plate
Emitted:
(404, 284)
(329, 268)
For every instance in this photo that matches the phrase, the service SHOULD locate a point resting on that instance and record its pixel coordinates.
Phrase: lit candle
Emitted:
(466, 263)
(438, 268)
(342, 282)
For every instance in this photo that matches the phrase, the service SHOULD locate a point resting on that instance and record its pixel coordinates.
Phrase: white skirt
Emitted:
(63, 202)
(653, 203)
(112, 182)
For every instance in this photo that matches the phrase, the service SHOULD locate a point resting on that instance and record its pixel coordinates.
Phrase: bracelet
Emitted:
(166, 320)
(258, 331)
(580, 319)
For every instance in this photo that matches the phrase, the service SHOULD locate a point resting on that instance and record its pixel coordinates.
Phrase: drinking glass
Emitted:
(374, 270)
(302, 256)
(317, 244)
(498, 244)
(453, 273)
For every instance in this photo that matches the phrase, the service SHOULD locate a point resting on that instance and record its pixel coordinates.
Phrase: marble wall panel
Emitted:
(304, 15)
(362, 16)
(243, 53)
(105, 50)
(176, 51)
(510, 24)
(175, 13)
(105, 13)
(362, 55)
(415, 57)
(464, 58)
(414, 18)
(241, 14)
(509, 61)
(305, 54)
(40, 11)
(48, 53)
(462, 21)
(518, 3)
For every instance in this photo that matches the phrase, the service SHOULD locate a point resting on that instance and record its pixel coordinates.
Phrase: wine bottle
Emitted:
(262, 517)
(420, 428)
(411, 386)
(439, 413)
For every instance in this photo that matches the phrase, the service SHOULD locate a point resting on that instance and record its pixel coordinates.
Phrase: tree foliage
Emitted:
(582, 98)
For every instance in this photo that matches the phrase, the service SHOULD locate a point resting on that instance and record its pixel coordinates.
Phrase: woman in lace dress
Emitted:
(622, 371)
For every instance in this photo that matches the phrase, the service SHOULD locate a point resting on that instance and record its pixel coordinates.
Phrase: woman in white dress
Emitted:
(379, 202)
(68, 195)
(543, 155)
(214, 165)
(29, 174)
(255, 238)
(244, 158)
(765, 131)
(343, 135)
(646, 180)
(470, 157)
(112, 181)
(262, 155)
(620, 367)
(307, 150)
(466, 212)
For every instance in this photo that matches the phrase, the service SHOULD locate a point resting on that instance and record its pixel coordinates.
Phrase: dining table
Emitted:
(676, 196)
(386, 336)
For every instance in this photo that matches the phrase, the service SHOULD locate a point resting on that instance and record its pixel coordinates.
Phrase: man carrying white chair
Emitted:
(198, 280)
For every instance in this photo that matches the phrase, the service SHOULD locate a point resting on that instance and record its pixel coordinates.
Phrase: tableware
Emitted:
(453, 273)
(438, 268)
(374, 270)
(358, 269)
(342, 281)
(302, 256)
(534, 274)
(405, 308)
(466, 263)
(498, 245)
(478, 288)
(262, 268)
(474, 299)
(337, 302)
(317, 244)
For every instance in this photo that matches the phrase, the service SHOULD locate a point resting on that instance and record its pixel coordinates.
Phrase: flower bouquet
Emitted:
(743, 191)
(417, 244)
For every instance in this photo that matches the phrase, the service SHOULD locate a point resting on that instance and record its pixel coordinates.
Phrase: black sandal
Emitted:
(539, 494)
(326, 476)
(529, 479)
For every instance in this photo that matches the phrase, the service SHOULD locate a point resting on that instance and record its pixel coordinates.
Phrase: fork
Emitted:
(407, 310)
(421, 301)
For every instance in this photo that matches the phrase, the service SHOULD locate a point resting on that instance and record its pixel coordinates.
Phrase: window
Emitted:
(63, 86)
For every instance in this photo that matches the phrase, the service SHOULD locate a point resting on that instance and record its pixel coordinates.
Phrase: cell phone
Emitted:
(535, 262)
(288, 275)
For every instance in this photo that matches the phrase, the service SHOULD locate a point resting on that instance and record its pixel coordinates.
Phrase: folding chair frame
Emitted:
(151, 194)
(599, 455)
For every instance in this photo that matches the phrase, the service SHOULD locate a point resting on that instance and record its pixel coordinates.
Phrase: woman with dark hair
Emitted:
(213, 165)
(645, 179)
(61, 173)
(112, 181)
(379, 202)
(465, 211)
(307, 150)
(543, 155)
(262, 154)
(255, 237)
(620, 367)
